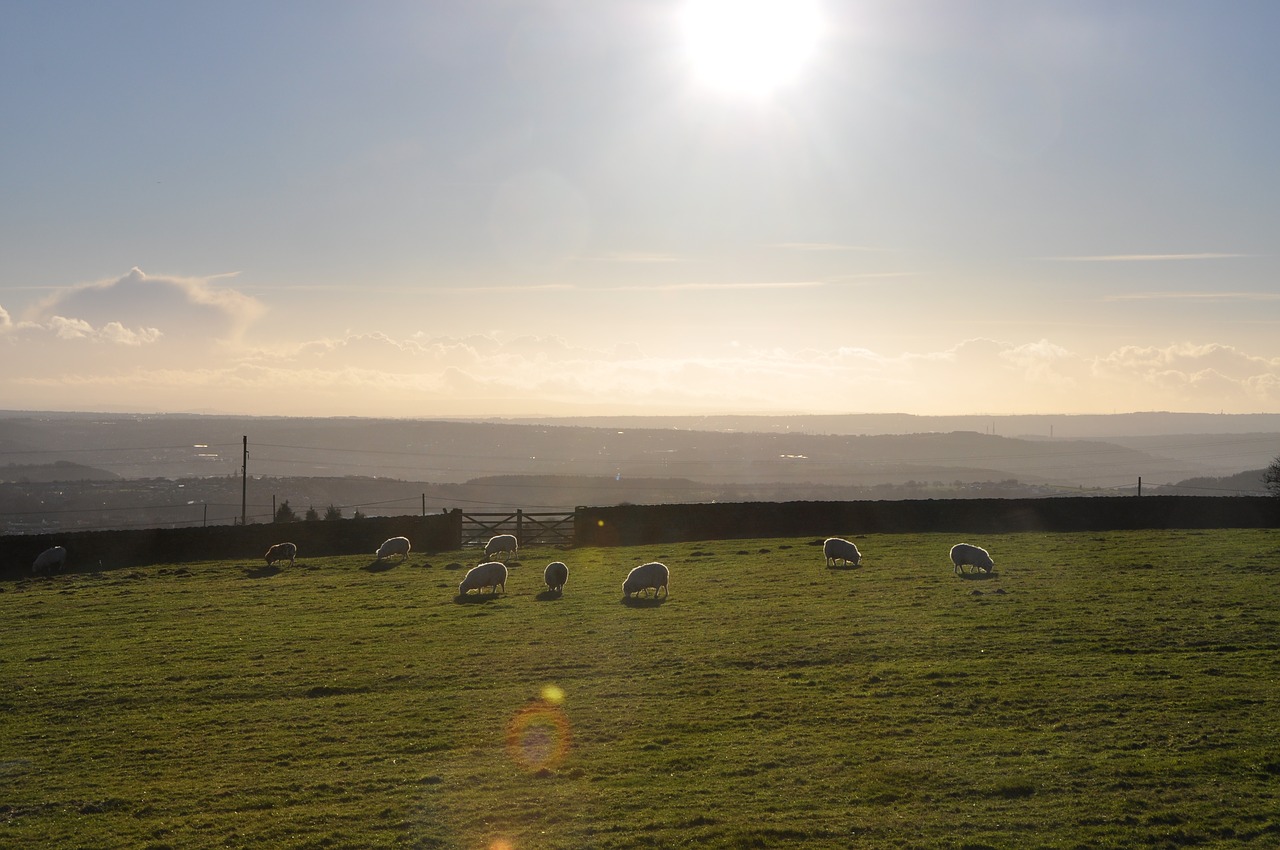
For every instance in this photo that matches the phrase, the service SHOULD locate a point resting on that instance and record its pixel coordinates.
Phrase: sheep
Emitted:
(965, 555)
(489, 574)
(500, 544)
(394, 546)
(49, 560)
(651, 575)
(282, 552)
(835, 549)
(555, 575)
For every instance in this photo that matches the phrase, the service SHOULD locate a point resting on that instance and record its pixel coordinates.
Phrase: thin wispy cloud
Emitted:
(1195, 296)
(509, 287)
(1146, 258)
(823, 246)
(712, 287)
(861, 277)
(640, 257)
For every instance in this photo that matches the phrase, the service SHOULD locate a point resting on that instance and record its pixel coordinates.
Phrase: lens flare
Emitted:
(538, 736)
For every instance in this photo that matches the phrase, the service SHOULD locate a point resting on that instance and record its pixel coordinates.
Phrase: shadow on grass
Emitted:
(978, 576)
(844, 566)
(549, 595)
(643, 601)
(262, 572)
(476, 598)
(379, 566)
(454, 566)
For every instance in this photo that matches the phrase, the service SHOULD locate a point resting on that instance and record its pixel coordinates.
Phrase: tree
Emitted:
(284, 513)
(312, 515)
(333, 513)
(358, 514)
(1271, 477)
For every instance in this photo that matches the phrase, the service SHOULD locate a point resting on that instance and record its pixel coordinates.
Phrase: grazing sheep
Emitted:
(555, 575)
(836, 549)
(500, 544)
(49, 560)
(651, 575)
(964, 555)
(394, 546)
(490, 574)
(282, 552)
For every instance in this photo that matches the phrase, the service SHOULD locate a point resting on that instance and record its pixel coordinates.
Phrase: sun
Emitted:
(750, 47)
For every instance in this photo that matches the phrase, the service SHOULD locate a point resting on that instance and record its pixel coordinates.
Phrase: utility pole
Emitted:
(1139, 485)
(244, 484)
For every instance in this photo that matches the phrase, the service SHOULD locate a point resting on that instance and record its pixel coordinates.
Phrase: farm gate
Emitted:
(544, 529)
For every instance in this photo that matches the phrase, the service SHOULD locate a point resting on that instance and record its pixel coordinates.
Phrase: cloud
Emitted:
(1209, 376)
(60, 328)
(822, 246)
(1146, 258)
(1185, 359)
(181, 308)
(1195, 296)
(629, 257)
(708, 287)
(378, 374)
(112, 332)
(102, 331)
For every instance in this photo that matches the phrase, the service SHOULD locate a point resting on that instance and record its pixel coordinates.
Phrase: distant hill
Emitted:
(820, 450)
(61, 470)
(1248, 483)
(1059, 426)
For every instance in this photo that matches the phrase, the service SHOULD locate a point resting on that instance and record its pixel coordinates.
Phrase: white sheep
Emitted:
(282, 552)
(500, 544)
(555, 575)
(837, 549)
(490, 574)
(651, 575)
(394, 546)
(965, 555)
(49, 560)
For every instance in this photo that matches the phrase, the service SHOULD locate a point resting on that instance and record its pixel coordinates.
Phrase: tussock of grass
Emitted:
(1113, 690)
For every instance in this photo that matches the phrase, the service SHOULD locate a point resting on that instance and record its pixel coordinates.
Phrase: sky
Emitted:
(563, 207)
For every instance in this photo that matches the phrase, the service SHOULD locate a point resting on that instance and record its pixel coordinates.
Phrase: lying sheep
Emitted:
(282, 552)
(500, 544)
(491, 574)
(837, 549)
(965, 555)
(49, 560)
(651, 575)
(555, 575)
(394, 546)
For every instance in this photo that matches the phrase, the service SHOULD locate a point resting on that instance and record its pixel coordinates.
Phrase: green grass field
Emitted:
(1100, 690)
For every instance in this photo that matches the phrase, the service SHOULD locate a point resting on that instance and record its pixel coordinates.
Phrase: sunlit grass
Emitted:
(1101, 690)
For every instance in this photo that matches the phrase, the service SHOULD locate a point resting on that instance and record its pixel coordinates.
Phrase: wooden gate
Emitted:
(530, 529)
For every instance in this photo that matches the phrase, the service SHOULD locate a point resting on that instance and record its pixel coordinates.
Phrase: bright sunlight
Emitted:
(750, 47)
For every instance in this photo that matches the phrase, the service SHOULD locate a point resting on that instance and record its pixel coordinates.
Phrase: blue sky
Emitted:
(423, 209)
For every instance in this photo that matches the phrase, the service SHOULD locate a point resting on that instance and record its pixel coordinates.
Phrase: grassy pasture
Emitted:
(1100, 690)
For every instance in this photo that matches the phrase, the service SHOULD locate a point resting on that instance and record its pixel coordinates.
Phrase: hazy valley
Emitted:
(87, 470)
